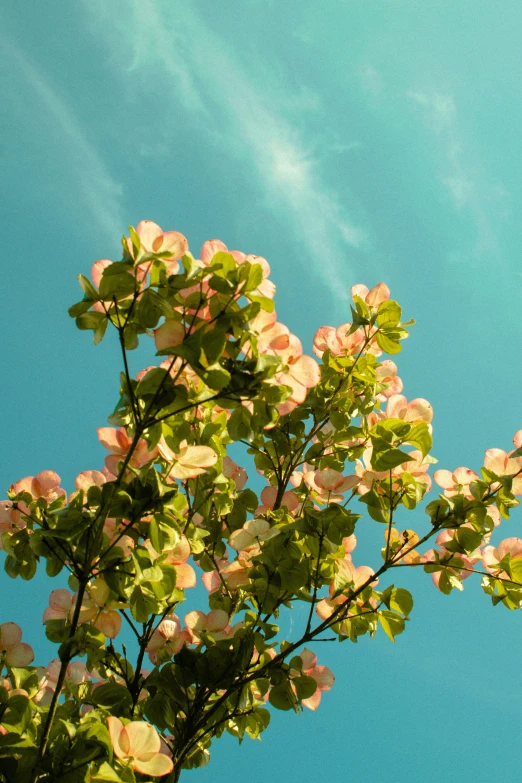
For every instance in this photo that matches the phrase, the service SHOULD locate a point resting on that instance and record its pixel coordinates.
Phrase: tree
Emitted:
(330, 439)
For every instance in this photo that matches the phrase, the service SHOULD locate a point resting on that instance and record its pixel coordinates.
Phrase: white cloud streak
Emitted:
(99, 194)
(458, 176)
(169, 38)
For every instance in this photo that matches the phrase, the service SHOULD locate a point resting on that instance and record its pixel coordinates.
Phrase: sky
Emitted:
(346, 142)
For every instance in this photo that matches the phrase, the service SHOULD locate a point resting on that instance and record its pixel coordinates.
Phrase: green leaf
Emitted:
(106, 772)
(88, 288)
(305, 686)
(80, 307)
(282, 697)
(392, 624)
(265, 303)
(142, 605)
(17, 716)
(239, 425)
(389, 314)
(401, 600)
(151, 382)
(387, 344)
(516, 569)
(387, 459)
(90, 320)
(420, 436)
(112, 697)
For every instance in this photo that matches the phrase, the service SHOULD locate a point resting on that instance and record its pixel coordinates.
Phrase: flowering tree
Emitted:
(330, 439)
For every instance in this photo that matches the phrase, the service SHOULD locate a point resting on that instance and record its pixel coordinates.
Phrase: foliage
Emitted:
(332, 441)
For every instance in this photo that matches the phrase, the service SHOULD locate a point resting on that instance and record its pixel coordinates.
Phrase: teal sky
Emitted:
(346, 142)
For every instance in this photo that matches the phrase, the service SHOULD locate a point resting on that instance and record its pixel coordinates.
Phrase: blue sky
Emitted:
(346, 142)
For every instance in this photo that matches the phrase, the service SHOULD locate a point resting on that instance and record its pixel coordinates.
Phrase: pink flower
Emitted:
(118, 443)
(386, 372)
(269, 497)
(88, 479)
(96, 608)
(503, 464)
(12, 649)
(416, 467)
(10, 518)
(373, 298)
(45, 485)
(357, 576)
(213, 246)
(321, 674)
(233, 574)
(76, 673)
(456, 483)
(253, 532)
(338, 341)
(492, 556)
(178, 556)
(414, 411)
(139, 744)
(329, 484)
(215, 624)
(303, 373)
(190, 461)
(463, 570)
(60, 605)
(154, 240)
(169, 334)
(168, 636)
(235, 472)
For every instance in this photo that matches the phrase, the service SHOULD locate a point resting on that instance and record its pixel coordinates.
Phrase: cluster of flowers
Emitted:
(138, 743)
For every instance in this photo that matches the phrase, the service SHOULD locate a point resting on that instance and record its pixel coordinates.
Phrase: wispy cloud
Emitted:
(242, 115)
(99, 194)
(460, 175)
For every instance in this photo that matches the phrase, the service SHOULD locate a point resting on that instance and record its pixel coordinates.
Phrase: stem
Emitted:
(59, 684)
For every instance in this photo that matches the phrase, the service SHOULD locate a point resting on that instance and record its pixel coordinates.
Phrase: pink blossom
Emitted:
(10, 518)
(88, 479)
(45, 485)
(169, 637)
(416, 467)
(329, 484)
(492, 556)
(14, 651)
(76, 673)
(233, 471)
(338, 341)
(169, 334)
(457, 482)
(357, 576)
(189, 461)
(378, 294)
(386, 372)
(60, 605)
(302, 373)
(213, 246)
(414, 411)
(321, 674)
(177, 556)
(154, 240)
(118, 443)
(138, 744)
(252, 532)
(463, 570)
(234, 574)
(215, 624)
(289, 500)
(503, 464)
